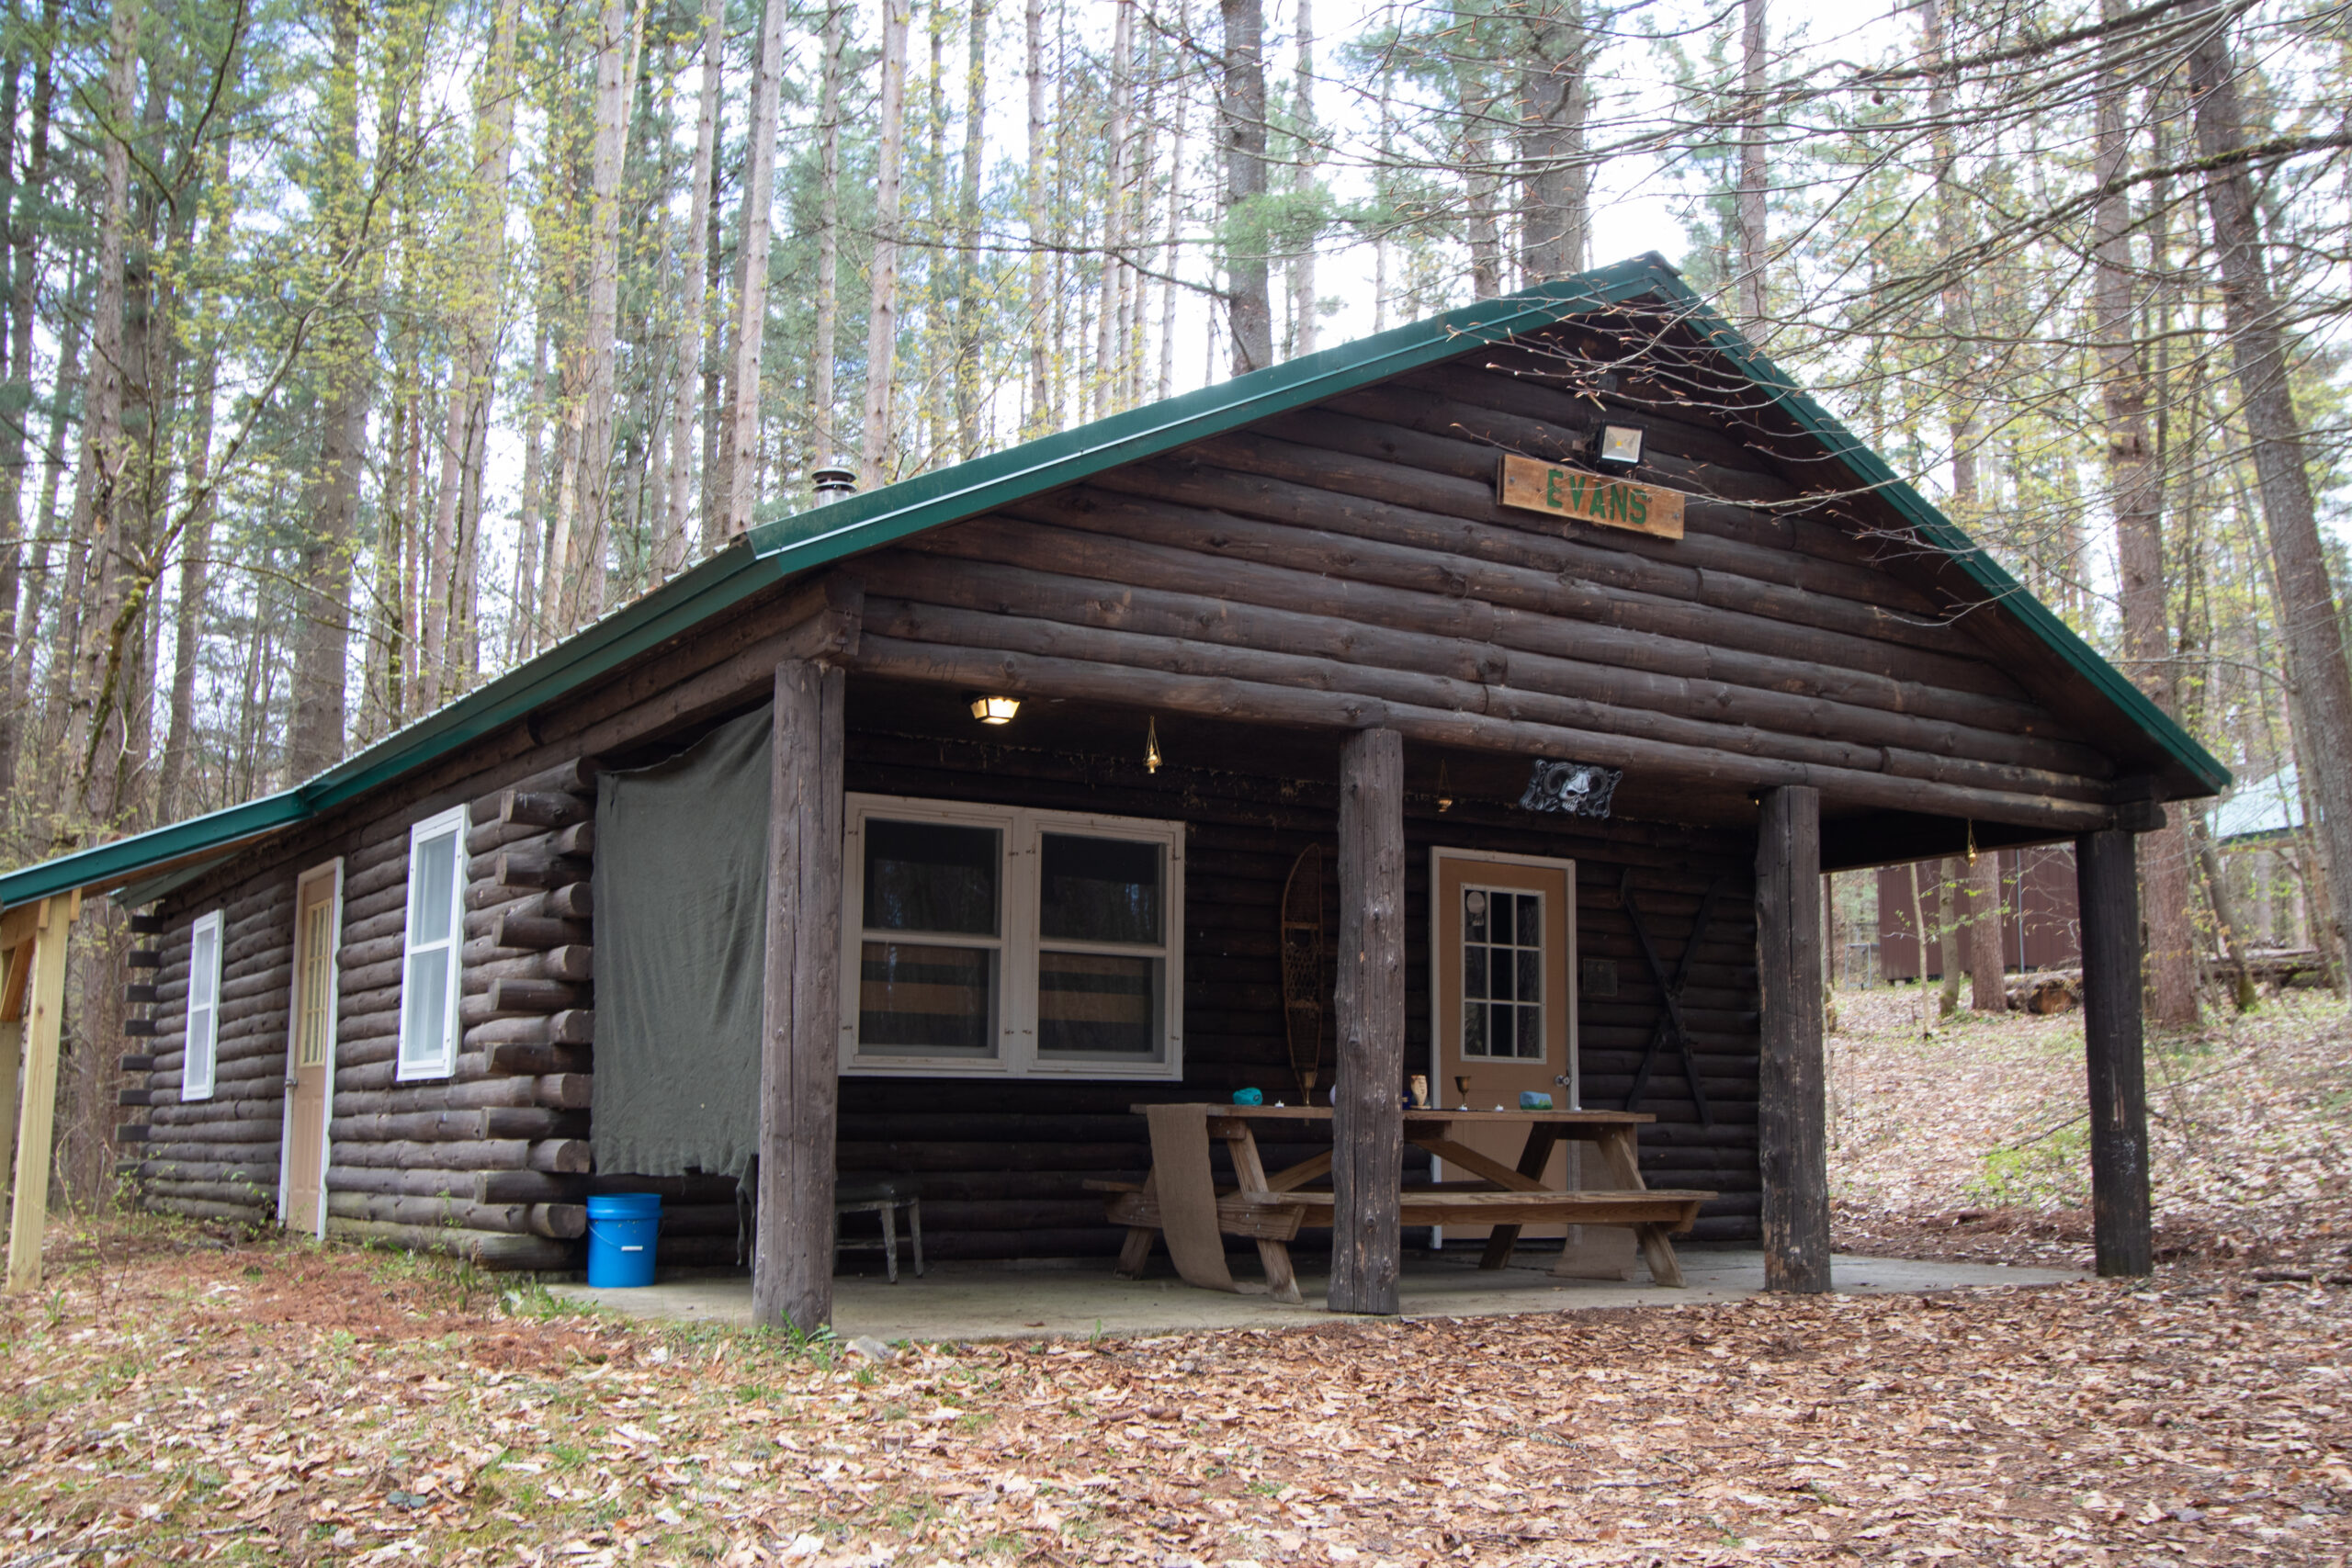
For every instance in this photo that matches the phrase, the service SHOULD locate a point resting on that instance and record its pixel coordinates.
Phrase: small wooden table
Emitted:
(1179, 1197)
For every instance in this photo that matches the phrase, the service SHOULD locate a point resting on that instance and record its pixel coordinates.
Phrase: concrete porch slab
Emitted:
(972, 1300)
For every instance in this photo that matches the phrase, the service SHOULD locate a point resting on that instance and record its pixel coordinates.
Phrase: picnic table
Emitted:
(1180, 1199)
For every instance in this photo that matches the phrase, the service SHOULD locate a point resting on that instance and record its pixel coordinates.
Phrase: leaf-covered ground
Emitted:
(176, 1396)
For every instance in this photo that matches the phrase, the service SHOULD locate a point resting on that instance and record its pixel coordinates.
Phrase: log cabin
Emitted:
(1559, 640)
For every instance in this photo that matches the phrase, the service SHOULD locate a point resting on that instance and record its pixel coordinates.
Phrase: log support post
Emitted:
(792, 1273)
(1791, 1113)
(2108, 886)
(37, 1097)
(1367, 1120)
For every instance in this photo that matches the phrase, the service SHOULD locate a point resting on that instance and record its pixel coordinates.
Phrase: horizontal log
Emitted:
(1252, 701)
(522, 1057)
(450, 1126)
(466, 1185)
(561, 1091)
(144, 958)
(484, 961)
(577, 776)
(574, 901)
(521, 869)
(574, 1026)
(233, 1190)
(146, 922)
(130, 1063)
(392, 923)
(138, 994)
(138, 1028)
(1506, 697)
(258, 1175)
(564, 1155)
(491, 1249)
(455, 1155)
(536, 931)
(206, 1209)
(545, 808)
(558, 1220)
(533, 995)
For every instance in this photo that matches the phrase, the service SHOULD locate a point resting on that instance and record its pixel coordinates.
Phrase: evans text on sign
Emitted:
(1589, 498)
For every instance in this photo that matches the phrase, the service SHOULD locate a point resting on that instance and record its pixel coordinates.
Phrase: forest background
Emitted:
(351, 357)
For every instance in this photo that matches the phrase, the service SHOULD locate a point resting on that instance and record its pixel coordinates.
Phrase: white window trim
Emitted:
(407, 1067)
(191, 1087)
(1018, 941)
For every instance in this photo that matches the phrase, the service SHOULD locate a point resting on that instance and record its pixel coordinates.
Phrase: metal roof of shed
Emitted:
(773, 551)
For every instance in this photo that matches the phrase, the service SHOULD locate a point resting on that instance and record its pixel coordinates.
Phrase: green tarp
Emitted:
(681, 887)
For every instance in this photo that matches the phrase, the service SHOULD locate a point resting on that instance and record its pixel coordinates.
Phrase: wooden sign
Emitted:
(1590, 498)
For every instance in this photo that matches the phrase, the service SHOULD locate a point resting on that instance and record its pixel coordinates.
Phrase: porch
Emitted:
(1079, 1298)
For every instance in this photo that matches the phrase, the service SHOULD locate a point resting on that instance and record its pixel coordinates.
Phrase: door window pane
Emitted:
(931, 877)
(925, 1000)
(1502, 975)
(1099, 889)
(1098, 1004)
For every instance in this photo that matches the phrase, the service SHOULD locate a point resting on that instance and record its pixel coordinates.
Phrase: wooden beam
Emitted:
(1367, 1120)
(792, 1271)
(2106, 882)
(1791, 1113)
(37, 1105)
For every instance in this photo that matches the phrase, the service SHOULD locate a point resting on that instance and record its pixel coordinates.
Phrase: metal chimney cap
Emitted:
(833, 483)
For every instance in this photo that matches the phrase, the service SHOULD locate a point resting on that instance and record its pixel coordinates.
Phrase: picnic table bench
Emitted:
(1178, 1198)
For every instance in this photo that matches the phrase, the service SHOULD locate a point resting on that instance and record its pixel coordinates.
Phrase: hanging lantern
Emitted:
(1151, 745)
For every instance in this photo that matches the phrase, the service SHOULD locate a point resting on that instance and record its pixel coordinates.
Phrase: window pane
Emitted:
(433, 866)
(203, 966)
(1531, 975)
(1498, 985)
(927, 1001)
(1473, 1029)
(425, 1037)
(1531, 1033)
(1473, 970)
(930, 876)
(1098, 1003)
(1502, 906)
(1099, 889)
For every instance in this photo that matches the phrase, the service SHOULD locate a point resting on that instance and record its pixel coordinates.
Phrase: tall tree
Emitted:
(882, 298)
(740, 442)
(346, 338)
(1555, 182)
(2135, 496)
(2308, 607)
(824, 398)
(1752, 175)
(1241, 107)
(677, 541)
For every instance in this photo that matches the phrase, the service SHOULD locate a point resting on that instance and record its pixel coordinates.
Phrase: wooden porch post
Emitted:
(792, 1271)
(1367, 1119)
(2106, 880)
(1792, 1137)
(36, 1100)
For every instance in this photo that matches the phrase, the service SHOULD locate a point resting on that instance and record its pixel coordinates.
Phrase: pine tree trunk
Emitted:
(1241, 107)
(1109, 321)
(2307, 603)
(1947, 939)
(331, 493)
(1987, 938)
(740, 441)
(102, 504)
(465, 439)
(2136, 498)
(970, 377)
(1034, 21)
(618, 38)
(882, 303)
(1753, 236)
(677, 542)
(1302, 266)
(23, 236)
(1553, 97)
(1482, 183)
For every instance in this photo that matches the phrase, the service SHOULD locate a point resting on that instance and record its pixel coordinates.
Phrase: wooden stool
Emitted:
(883, 1195)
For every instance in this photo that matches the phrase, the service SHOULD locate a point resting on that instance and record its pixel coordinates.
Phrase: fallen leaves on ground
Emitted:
(183, 1396)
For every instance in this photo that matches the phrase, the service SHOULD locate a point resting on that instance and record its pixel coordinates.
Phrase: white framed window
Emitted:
(1001, 941)
(1502, 974)
(436, 926)
(203, 1007)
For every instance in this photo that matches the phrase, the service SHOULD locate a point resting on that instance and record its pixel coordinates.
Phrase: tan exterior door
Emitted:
(310, 1051)
(1502, 941)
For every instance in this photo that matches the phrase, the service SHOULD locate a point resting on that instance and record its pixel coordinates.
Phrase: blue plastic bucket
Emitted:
(621, 1228)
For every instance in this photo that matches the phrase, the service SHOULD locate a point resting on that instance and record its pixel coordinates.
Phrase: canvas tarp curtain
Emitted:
(681, 890)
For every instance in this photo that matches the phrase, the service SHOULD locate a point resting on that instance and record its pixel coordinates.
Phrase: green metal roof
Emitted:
(775, 551)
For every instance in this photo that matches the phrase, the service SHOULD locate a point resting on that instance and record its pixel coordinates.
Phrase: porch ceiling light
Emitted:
(995, 709)
(1618, 447)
